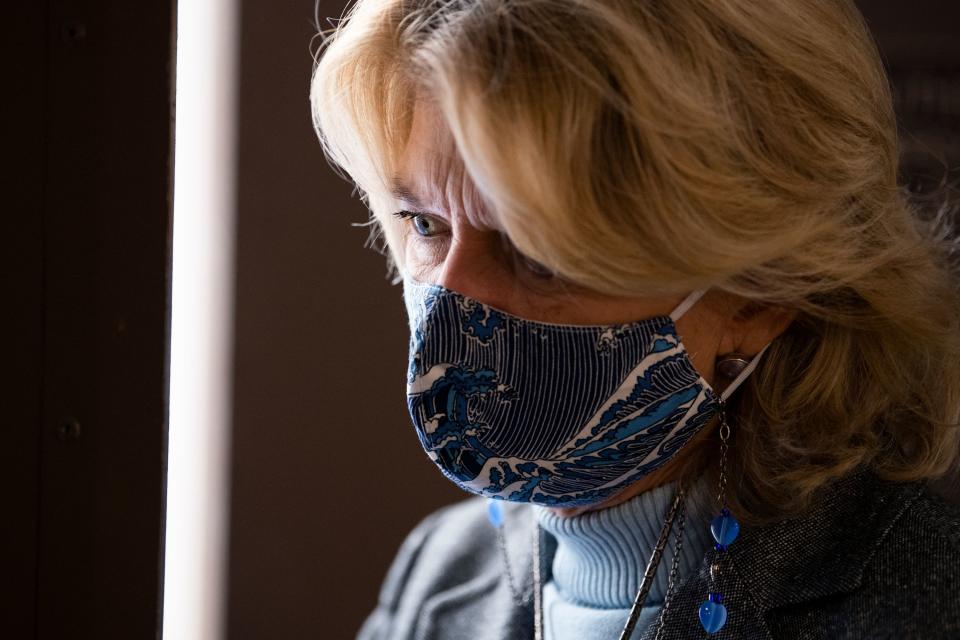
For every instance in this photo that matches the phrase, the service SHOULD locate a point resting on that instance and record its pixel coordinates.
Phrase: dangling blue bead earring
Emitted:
(724, 528)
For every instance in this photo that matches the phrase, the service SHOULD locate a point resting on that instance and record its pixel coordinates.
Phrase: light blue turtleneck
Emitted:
(601, 556)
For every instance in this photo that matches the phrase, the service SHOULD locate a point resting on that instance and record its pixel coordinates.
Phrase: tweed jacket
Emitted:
(870, 559)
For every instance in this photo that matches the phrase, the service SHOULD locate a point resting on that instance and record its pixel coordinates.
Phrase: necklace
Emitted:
(677, 511)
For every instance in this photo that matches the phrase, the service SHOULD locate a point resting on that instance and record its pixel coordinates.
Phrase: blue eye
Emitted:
(425, 225)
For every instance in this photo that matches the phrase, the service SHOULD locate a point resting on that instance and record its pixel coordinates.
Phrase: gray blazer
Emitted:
(870, 560)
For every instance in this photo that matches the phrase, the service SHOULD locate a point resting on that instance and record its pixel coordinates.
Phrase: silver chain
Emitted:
(724, 445)
(674, 571)
(537, 587)
(502, 542)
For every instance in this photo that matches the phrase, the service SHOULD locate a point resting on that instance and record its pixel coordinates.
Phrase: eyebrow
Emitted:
(401, 191)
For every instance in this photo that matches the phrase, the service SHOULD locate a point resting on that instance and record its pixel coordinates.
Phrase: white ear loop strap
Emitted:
(686, 304)
(743, 374)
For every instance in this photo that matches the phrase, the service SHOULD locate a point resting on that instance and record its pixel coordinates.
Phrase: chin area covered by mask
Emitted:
(552, 414)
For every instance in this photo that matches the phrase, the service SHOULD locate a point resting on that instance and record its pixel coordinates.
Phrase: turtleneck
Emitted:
(601, 556)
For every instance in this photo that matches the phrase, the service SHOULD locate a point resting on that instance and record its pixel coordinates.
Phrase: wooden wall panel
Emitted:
(88, 215)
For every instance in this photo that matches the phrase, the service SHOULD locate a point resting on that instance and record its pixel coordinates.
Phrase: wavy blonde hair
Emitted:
(637, 147)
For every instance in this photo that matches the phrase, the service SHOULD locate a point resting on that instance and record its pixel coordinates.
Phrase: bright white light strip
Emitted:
(200, 350)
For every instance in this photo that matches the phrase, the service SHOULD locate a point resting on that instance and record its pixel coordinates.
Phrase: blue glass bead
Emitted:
(714, 597)
(713, 616)
(495, 513)
(725, 528)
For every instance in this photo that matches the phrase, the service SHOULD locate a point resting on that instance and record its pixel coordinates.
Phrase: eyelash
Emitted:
(409, 215)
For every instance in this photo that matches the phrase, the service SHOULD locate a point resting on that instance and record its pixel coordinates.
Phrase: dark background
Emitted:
(327, 474)
(84, 222)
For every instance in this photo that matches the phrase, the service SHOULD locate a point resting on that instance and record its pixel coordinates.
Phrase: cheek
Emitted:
(422, 258)
(701, 340)
(706, 366)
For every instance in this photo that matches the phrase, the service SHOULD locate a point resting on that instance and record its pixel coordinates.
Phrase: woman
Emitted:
(669, 310)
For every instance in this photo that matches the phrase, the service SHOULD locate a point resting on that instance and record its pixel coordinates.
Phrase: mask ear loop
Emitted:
(688, 302)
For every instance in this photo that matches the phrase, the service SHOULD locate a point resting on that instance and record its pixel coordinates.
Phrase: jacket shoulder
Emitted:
(908, 583)
(913, 581)
(936, 518)
(922, 552)
(453, 552)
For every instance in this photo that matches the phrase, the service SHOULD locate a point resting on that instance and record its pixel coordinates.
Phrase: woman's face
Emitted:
(450, 239)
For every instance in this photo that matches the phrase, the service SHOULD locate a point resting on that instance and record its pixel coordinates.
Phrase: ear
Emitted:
(753, 325)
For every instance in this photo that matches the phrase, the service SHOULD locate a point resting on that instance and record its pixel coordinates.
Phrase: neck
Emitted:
(600, 557)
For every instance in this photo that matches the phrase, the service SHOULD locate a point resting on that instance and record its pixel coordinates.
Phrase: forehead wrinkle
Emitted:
(460, 194)
(438, 180)
(445, 186)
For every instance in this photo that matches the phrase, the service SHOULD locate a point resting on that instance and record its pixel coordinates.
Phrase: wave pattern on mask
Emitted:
(546, 413)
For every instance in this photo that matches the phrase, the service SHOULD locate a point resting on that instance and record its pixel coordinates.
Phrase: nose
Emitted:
(476, 266)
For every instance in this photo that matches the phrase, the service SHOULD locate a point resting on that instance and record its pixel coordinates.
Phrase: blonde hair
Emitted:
(639, 147)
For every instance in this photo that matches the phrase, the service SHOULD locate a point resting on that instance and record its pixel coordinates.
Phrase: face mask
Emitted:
(553, 414)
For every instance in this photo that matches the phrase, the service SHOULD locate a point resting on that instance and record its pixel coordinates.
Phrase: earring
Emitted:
(724, 528)
(732, 364)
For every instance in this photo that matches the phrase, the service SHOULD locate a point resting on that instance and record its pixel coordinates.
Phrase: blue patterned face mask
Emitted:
(553, 414)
